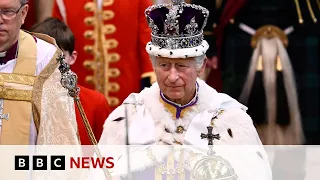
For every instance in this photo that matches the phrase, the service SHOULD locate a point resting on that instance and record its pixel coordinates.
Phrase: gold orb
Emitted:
(213, 168)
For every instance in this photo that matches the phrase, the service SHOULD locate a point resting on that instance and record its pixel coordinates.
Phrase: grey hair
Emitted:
(199, 61)
(24, 1)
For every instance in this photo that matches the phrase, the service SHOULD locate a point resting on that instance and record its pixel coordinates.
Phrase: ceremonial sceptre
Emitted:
(127, 142)
(69, 81)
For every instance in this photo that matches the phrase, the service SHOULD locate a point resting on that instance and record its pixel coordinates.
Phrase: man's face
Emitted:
(176, 78)
(12, 17)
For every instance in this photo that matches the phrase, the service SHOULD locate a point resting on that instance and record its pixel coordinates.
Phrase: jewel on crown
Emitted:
(171, 27)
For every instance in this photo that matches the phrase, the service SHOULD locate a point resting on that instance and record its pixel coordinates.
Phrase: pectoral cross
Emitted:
(2, 116)
(210, 136)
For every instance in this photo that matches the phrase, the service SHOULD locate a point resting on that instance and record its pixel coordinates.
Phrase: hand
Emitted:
(212, 62)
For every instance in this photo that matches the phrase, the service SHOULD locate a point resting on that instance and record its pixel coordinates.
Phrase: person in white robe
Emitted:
(183, 111)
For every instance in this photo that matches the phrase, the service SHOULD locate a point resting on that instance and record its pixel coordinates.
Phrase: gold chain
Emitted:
(299, 11)
(311, 12)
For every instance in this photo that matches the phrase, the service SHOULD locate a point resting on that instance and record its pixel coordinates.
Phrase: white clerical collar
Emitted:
(3, 54)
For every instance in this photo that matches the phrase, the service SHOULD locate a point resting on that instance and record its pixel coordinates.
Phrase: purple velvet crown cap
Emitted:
(159, 16)
(181, 13)
(177, 25)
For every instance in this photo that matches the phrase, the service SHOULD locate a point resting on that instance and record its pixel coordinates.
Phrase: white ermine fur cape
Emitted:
(150, 124)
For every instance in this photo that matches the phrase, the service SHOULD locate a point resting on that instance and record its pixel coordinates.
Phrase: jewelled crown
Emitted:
(176, 26)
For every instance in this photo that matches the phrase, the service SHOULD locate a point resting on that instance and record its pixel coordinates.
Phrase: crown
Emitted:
(176, 25)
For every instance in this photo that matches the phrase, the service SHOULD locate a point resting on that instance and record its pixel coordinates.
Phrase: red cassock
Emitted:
(119, 39)
(97, 110)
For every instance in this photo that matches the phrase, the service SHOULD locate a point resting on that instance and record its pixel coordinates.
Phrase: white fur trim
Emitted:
(147, 107)
(178, 53)
(62, 10)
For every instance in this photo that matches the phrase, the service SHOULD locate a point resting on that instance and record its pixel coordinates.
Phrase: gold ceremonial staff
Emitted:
(69, 81)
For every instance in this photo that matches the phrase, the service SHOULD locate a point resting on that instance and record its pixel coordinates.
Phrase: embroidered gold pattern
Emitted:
(163, 169)
(37, 89)
(17, 78)
(170, 165)
(182, 175)
(59, 126)
(13, 93)
(173, 110)
(101, 61)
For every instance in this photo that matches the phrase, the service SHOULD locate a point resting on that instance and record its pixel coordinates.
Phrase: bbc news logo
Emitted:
(59, 162)
(39, 162)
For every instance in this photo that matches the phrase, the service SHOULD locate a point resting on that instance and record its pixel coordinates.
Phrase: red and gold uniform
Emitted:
(110, 40)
